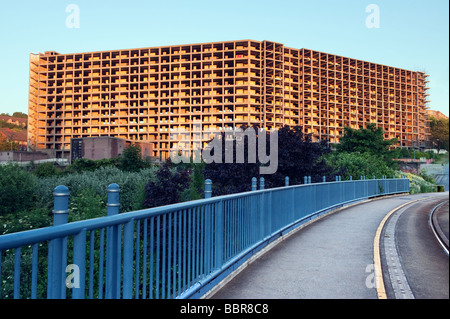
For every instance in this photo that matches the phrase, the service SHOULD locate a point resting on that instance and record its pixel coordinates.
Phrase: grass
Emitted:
(442, 159)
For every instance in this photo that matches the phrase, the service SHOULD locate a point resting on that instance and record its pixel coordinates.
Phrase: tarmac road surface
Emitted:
(424, 262)
(331, 258)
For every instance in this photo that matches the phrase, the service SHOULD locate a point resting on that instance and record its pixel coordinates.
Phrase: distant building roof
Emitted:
(19, 136)
(14, 120)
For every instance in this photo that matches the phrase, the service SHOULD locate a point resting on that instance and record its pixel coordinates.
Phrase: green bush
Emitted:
(418, 185)
(17, 189)
(131, 159)
(83, 164)
(25, 220)
(410, 153)
(356, 164)
(197, 183)
(46, 170)
(367, 140)
(168, 188)
(86, 204)
(8, 259)
(131, 184)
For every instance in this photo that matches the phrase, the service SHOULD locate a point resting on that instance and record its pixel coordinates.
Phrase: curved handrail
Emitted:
(191, 244)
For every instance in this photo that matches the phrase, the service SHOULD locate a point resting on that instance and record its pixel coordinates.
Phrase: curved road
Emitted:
(331, 258)
(423, 261)
(442, 218)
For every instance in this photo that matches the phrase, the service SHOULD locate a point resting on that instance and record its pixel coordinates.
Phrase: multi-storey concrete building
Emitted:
(149, 94)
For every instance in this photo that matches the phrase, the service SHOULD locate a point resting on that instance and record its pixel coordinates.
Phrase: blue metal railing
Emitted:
(174, 251)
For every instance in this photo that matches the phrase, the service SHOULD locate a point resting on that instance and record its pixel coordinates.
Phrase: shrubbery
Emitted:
(418, 184)
(356, 164)
(87, 204)
(17, 189)
(131, 184)
(26, 194)
(25, 220)
(26, 198)
(45, 170)
(167, 187)
(298, 156)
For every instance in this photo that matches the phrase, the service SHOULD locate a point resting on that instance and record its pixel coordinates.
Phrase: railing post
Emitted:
(218, 233)
(113, 246)
(286, 181)
(337, 178)
(60, 205)
(208, 188)
(351, 178)
(309, 179)
(79, 260)
(324, 179)
(261, 183)
(128, 272)
(57, 254)
(254, 183)
(366, 187)
(305, 180)
(113, 200)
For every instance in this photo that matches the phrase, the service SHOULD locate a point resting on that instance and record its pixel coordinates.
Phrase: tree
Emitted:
(370, 140)
(20, 115)
(46, 170)
(298, 156)
(8, 145)
(439, 129)
(131, 159)
(168, 186)
(229, 177)
(7, 142)
(197, 183)
(356, 164)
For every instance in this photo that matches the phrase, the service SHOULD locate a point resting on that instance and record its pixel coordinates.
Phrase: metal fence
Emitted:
(174, 251)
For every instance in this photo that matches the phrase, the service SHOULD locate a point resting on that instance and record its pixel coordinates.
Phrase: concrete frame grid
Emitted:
(152, 94)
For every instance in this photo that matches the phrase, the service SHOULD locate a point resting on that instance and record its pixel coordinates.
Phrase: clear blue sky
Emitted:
(413, 34)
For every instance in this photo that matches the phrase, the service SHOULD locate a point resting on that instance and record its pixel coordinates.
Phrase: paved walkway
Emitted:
(331, 258)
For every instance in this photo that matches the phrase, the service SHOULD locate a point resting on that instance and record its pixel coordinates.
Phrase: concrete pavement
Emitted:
(331, 258)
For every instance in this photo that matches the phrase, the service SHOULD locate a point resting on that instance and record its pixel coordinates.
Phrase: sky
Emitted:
(411, 34)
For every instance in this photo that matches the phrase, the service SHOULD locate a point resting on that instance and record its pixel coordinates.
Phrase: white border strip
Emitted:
(433, 227)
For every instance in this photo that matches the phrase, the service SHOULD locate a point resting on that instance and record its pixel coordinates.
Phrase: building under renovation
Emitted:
(151, 94)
